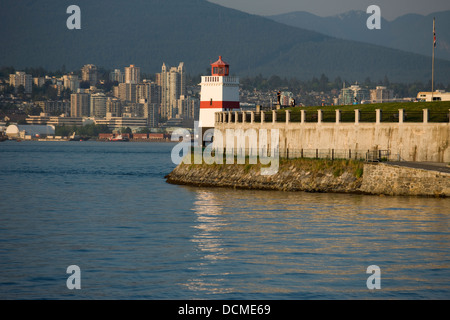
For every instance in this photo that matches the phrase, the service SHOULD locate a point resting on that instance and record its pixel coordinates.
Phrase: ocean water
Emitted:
(106, 208)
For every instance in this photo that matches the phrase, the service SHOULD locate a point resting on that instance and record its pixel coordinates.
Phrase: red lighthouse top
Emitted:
(220, 68)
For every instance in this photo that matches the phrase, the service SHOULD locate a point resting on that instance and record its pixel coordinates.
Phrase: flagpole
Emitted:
(432, 63)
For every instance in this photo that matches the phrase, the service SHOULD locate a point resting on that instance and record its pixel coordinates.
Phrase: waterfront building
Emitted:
(98, 105)
(115, 123)
(46, 119)
(41, 119)
(28, 131)
(79, 105)
(219, 92)
(62, 120)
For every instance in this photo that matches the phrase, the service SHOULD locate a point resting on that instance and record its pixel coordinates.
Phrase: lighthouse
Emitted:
(219, 92)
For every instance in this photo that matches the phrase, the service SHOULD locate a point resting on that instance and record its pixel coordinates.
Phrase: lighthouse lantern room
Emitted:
(219, 92)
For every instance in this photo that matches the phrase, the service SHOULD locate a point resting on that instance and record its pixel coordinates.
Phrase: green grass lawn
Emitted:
(438, 112)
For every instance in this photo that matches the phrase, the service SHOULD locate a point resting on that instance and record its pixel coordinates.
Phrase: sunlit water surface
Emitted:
(106, 208)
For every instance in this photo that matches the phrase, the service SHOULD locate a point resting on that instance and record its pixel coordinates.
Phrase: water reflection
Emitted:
(209, 223)
(302, 245)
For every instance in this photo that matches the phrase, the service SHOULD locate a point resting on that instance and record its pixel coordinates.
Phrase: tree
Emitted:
(143, 130)
(125, 130)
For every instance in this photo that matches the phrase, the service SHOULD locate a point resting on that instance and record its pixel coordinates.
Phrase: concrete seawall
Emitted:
(338, 176)
(406, 141)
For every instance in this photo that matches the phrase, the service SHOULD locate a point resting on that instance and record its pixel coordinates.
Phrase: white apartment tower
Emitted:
(98, 105)
(173, 85)
(132, 74)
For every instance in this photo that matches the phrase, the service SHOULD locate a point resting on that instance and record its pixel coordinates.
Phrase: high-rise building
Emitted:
(117, 75)
(188, 107)
(132, 74)
(20, 78)
(72, 82)
(127, 92)
(173, 85)
(135, 109)
(80, 105)
(149, 91)
(114, 107)
(89, 73)
(39, 81)
(98, 105)
(151, 112)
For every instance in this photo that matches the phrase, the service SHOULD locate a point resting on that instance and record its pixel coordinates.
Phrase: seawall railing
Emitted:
(334, 116)
(330, 154)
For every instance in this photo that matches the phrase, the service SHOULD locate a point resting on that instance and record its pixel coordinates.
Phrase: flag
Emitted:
(434, 34)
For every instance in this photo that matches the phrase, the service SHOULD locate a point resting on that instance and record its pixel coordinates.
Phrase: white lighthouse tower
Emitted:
(219, 92)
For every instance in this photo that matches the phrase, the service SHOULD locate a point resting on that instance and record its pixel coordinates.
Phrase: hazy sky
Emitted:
(390, 9)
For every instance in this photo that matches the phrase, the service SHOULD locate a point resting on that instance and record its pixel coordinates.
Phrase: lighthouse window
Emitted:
(210, 102)
(215, 70)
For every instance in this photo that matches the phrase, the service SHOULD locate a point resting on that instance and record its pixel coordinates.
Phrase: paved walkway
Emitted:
(434, 166)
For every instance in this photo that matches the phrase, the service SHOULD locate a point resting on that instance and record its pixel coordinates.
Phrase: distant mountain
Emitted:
(117, 33)
(411, 32)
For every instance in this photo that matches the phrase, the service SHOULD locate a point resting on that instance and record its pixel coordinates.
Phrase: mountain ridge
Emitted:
(410, 32)
(146, 33)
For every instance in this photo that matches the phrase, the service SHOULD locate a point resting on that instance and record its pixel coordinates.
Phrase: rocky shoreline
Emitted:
(311, 175)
